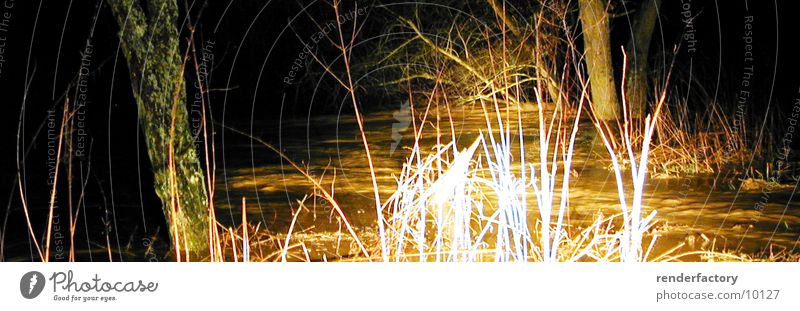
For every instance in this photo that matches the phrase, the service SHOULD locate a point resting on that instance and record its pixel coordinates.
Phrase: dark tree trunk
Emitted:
(638, 49)
(149, 41)
(597, 49)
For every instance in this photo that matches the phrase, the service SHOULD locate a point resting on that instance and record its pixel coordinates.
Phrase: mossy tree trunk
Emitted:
(150, 43)
(597, 50)
(638, 49)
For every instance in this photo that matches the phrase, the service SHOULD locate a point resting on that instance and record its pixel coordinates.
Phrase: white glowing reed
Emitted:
(440, 209)
(634, 225)
(472, 205)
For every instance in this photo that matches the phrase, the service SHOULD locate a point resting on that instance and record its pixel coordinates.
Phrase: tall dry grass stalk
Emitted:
(634, 224)
(472, 199)
(473, 204)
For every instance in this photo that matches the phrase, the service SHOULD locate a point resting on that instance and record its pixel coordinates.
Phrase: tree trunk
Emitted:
(149, 41)
(597, 49)
(638, 49)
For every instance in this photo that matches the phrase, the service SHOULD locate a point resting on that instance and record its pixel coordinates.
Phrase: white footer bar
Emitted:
(378, 286)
